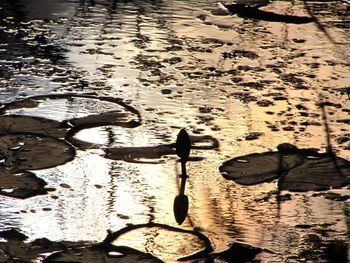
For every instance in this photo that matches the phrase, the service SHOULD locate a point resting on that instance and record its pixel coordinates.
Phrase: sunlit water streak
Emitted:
(94, 194)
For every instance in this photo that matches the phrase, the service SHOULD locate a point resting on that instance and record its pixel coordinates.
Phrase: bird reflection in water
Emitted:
(183, 147)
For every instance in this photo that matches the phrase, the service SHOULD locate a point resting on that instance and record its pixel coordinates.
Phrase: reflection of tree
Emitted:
(12, 8)
(28, 42)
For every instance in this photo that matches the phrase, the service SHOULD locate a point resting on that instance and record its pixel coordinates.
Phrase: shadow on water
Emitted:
(255, 13)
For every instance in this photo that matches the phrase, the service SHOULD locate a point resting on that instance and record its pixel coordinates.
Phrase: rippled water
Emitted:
(167, 59)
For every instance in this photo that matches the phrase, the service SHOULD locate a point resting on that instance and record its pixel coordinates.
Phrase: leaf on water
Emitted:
(106, 118)
(29, 124)
(78, 110)
(136, 154)
(36, 152)
(17, 250)
(239, 252)
(297, 170)
(317, 174)
(15, 247)
(21, 185)
(96, 253)
(13, 234)
(203, 142)
(258, 167)
(206, 243)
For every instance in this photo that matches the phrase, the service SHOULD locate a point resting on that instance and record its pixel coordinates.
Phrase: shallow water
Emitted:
(180, 66)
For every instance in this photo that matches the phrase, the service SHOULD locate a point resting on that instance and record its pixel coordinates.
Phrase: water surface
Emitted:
(179, 66)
